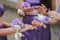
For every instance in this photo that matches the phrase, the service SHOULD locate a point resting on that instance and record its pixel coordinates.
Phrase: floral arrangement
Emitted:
(42, 18)
(17, 24)
(25, 4)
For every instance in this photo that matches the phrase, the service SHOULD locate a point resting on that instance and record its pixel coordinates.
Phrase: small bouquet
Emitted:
(17, 25)
(25, 4)
(41, 18)
(20, 12)
(26, 7)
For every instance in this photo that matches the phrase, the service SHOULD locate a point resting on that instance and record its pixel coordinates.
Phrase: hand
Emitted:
(29, 27)
(28, 9)
(57, 16)
(36, 23)
(44, 8)
(54, 17)
(52, 21)
(52, 13)
(39, 8)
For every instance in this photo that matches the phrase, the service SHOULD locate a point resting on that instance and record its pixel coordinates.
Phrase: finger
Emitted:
(43, 6)
(35, 27)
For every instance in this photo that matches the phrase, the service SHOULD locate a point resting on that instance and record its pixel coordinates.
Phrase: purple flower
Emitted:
(46, 19)
(26, 4)
(17, 21)
(40, 18)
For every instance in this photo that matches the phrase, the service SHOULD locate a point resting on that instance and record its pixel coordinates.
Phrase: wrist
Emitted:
(25, 28)
(22, 30)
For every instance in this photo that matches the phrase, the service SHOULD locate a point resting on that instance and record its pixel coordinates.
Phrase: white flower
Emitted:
(21, 12)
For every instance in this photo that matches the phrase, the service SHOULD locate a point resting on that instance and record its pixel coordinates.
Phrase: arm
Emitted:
(19, 3)
(7, 24)
(8, 31)
(28, 9)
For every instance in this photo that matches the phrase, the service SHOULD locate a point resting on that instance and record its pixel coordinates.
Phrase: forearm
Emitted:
(6, 31)
(7, 24)
(23, 29)
(19, 3)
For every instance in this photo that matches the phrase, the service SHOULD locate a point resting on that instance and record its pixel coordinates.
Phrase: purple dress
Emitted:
(40, 34)
(37, 34)
(3, 37)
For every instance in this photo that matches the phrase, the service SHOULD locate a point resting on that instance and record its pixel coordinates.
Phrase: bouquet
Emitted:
(42, 18)
(17, 24)
(25, 4)
(26, 7)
